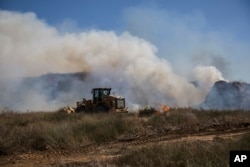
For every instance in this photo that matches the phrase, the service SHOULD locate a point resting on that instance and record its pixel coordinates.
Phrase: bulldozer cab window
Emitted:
(105, 92)
(96, 93)
(99, 93)
(97, 96)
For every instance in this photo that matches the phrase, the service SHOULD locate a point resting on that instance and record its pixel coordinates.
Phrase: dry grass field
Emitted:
(181, 137)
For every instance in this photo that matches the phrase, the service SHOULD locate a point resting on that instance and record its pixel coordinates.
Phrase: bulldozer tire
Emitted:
(101, 109)
(80, 109)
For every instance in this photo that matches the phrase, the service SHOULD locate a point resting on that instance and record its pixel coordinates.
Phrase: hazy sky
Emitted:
(207, 32)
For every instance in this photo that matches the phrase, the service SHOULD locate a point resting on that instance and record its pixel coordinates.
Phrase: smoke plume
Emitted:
(130, 65)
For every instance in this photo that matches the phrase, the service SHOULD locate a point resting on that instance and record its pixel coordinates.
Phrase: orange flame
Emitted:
(164, 108)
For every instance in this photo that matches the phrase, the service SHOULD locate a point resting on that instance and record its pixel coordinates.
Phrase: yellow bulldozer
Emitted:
(102, 101)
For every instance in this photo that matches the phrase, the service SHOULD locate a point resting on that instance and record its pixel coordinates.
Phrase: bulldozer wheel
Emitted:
(80, 109)
(101, 109)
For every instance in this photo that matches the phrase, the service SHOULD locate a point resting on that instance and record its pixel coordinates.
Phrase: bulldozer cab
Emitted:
(98, 94)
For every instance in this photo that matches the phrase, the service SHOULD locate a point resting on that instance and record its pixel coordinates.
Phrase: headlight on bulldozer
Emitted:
(120, 103)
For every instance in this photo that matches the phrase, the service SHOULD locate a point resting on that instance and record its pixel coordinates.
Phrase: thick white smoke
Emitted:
(206, 74)
(128, 64)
